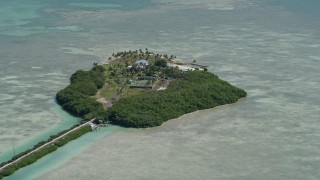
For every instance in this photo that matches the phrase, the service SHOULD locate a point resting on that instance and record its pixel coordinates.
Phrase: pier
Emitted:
(95, 127)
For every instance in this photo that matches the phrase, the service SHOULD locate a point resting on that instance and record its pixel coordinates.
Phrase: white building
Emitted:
(142, 63)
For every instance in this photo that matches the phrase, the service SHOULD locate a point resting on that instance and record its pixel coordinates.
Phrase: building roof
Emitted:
(142, 61)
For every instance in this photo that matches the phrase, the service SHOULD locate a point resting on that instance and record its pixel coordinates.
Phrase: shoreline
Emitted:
(104, 138)
(161, 126)
(199, 111)
(64, 154)
(142, 135)
(66, 121)
(51, 142)
(84, 84)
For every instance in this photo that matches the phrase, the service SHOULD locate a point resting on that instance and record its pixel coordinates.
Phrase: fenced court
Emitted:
(143, 82)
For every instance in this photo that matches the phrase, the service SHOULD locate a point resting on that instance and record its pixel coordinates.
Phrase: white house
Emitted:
(142, 63)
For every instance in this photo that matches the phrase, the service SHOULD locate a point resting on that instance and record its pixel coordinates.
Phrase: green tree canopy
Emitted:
(192, 91)
(161, 63)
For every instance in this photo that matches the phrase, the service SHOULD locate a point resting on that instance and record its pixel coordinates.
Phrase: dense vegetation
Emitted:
(187, 92)
(44, 151)
(76, 99)
(191, 91)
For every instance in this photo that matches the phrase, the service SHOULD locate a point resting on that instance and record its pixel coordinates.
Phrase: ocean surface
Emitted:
(270, 48)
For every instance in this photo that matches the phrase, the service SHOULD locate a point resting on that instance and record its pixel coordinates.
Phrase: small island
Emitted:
(142, 89)
(136, 89)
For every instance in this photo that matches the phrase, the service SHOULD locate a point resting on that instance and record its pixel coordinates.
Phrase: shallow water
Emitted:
(268, 48)
(66, 122)
(59, 157)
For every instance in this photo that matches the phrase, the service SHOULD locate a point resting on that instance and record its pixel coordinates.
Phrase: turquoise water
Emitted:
(269, 48)
(67, 122)
(60, 156)
(36, 61)
(33, 68)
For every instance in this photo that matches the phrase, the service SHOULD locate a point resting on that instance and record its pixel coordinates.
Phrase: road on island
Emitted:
(46, 144)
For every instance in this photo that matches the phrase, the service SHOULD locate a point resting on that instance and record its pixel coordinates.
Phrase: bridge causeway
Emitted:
(45, 145)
